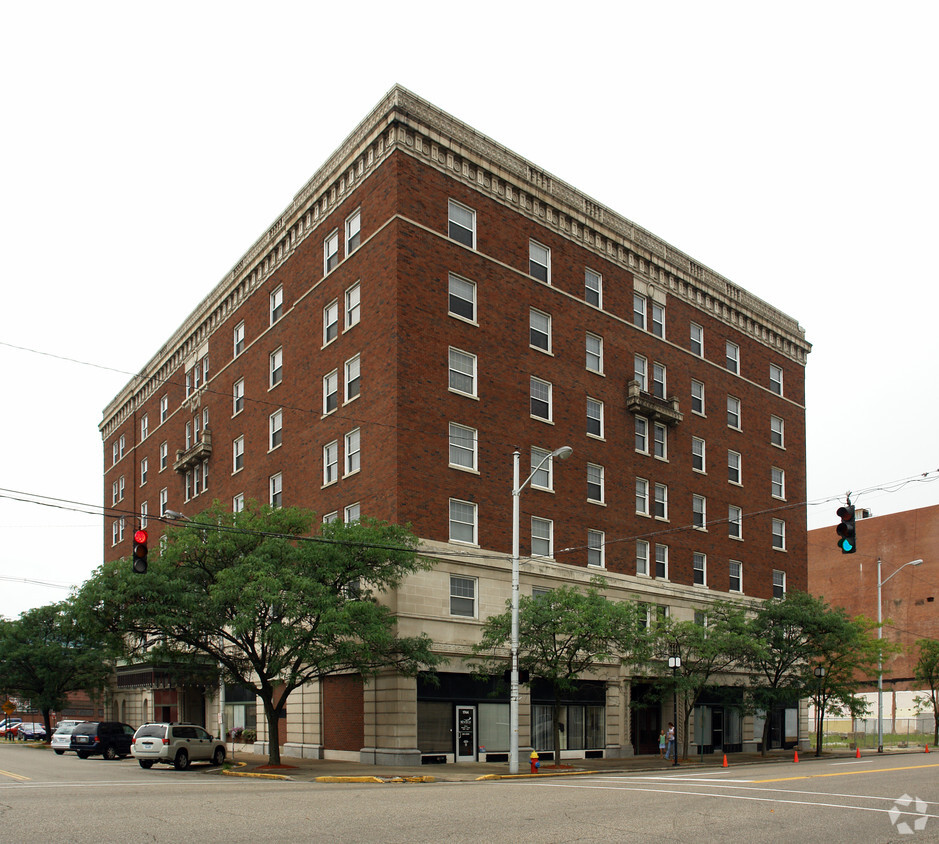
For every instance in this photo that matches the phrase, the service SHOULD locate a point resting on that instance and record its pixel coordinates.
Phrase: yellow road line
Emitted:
(851, 773)
(19, 777)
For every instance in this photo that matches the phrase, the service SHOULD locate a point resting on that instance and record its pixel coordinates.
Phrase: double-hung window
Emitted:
(642, 435)
(642, 497)
(593, 288)
(778, 482)
(542, 465)
(595, 418)
(697, 397)
(539, 330)
(661, 561)
(779, 584)
(595, 548)
(462, 372)
(277, 367)
(657, 324)
(733, 412)
(595, 487)
(732, 357)
(594, 353)
(658, 380)
(164, 408)
(164, 455)
(640, 304)
(660, 440)
(735, 576)
(353, 451)
(353, 305)
(697, 340)
(642, 556)
(734, 521)
(641, 372)
(540, 394)
(238, 397)
(277, 490)
(776, 379)
(353, 376)
(660, 497)
(277, 304)
(330, 391)
(779, 534)
(698, 455)
(331, 462)
(462, 446)
(276, 428)
(353, 231)
(542, 537)
(461, 224)
(238, 454)
(462, 298)
(699, 564)
(463, 596)
(734, 467)
(331, 252)
(463, 521)
(144, 427)
(777, 429)
(144, 466)
(539, 261)
(331, 322)
(238, 339)
(699, 513)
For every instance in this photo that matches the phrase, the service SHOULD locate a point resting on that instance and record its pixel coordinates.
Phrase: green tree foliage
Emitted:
(252, 592)
(561, 635)
(927, 673)
(46, 653)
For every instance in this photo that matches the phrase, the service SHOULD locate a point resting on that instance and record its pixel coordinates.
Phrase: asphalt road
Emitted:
(48, 798)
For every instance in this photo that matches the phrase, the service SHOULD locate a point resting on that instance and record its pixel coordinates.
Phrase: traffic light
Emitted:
(846, 531)
(140, 551)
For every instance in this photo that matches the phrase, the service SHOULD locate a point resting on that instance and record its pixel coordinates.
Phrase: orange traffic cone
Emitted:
(796, 759)
(927, 748)
(725, 761)
(858, 754)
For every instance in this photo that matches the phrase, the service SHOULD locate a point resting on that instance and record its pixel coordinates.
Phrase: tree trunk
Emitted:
(557, 729)
(272, 714)
(766, 731)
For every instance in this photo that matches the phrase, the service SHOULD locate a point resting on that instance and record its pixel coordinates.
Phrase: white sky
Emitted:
(790, 147)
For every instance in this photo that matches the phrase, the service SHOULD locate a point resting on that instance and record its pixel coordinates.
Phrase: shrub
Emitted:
(249, 736)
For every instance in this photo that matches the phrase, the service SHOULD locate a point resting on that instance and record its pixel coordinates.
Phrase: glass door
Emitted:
(466, 734)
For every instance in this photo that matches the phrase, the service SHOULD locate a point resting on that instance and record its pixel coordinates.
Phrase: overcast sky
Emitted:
(790, 147)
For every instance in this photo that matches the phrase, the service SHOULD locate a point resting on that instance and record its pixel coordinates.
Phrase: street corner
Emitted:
(370, 779)
(241, 769)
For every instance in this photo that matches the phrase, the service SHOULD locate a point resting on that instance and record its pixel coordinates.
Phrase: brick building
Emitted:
(429, 302)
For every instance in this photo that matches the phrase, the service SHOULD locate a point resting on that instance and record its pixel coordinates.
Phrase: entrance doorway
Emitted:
(465, 733)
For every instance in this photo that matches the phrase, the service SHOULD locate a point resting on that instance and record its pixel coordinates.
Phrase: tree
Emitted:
(47, 653)
(927, 673)
(562, 634)
(276, 608)
(706, 651)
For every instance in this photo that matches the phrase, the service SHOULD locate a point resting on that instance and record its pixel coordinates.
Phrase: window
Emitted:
(117, 531)
(543, 478)
(640, 369)
(733, 357)
(144, 464)
(540, 399)
(238, 503)
(144, 427)
(642, 434)
(277, 304)
(462, 521)
(330, 463)
(331, 322)
(697, 398)
(542, 537)
(461, 224)
(779, 584)
(353, 374)
(661, 501)
(121, 445)
(778, 482)
(776, 379)
(277, 367)
(595, 488)
(114, 452)
(776, 431)
(329, 518)
(353, 451)
(779, 534)
(699, 562)
(164, 501)
(463, 596)
(462, 372)
(538, 592)
(642, 497)
(697, 340)
(735, 576)
(353, 305)
(462, 298)
(238, 396)
(594, 417)
(661, 561)
(462, 446)
(539, 330)
(238, 454)
(595, 353)
(734, 522)
(642, 557)
(115, 492)
(353, 231)
(164, 408)
(331, 252)
(699, 511)
(658, 320)
(352, 513)
(238, 337)
(701, 618)
(660, 440)
(539, 261)
(698, 456)
(144, 513)
(593, 288)
(595, 548)
(276, 428)
(330, 391)
(733, 412)
(734, 471)
(639, 310)
(277, 490)
(164, 455)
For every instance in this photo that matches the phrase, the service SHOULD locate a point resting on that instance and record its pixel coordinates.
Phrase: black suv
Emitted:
(109, 738)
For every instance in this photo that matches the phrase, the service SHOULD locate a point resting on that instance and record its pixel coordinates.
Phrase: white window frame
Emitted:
(734, 467)
(462, 366)
(659, 386)
(659, 441)
(238, 397)
(238, 502)
(542, 537)
(353, 451)
(540, 385)
(276, 429)
(238, 339)
(164, 501)
(641, 372)
(277, 367)
(734, 521)
(776, 379)
(734, 572)
(353, 300)
(144, 468)
(657, 319)
(699, 568)
(660, 501)
(144, 514)
(699, 455)
(697, 397)
(594, 351)
(352, 512)
(642, 435)
(330, 392)
(661, 561)
(353, 377)
(164, 408)
(462, 591)
(539, 330)
(330, 322)
(542, 478)
(640, 311)
(642, 497)
(732, 357)
(777, 430)
(778, 483)
(330, 463)
(542, 261)
(461, 230)
(699, 512)
(734, 413)
(353, 235)
(276, 486)
(596, 478)
(277, 303)
(331, 252)
(164, 455)
(696, 337)
(595, 418)
(779, 535)
(642, 557)
(458, 288)
(463, 440)
(779, 584)
(593, 288)
(144, 427)
(238, 454)
(464, 509)
(596, 549)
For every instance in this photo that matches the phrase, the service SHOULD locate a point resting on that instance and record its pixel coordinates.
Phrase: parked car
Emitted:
(31, 731)
(62, 737)
(111, 739)
(176, 744)
(8, 726)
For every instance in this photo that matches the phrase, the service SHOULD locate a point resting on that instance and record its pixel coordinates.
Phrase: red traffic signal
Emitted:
(140, 551)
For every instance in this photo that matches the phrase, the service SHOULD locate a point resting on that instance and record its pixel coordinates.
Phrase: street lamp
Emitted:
(561, 453)
(819, 672)
(176, 515)
(674, 662)
(880, 655)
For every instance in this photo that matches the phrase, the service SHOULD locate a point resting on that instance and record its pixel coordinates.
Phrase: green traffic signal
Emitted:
(846, 530)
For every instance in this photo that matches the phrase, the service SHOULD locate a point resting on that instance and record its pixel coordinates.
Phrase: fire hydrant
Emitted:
(535, 764)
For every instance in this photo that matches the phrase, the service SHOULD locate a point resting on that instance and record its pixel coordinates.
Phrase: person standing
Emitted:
(662, 742)
(670, 739)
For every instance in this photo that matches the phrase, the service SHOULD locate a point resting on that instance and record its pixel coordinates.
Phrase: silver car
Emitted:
(175, 744)
(62, 737)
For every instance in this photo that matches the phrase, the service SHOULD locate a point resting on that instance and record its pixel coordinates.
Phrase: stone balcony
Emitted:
(195, 454)
(645, 404)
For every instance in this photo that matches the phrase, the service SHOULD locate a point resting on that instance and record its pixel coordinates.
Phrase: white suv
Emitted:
(175, 744)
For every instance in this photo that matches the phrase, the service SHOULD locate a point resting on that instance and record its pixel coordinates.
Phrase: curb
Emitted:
(375, 779)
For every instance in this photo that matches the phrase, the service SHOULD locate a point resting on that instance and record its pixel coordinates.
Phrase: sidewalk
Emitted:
(248, 764)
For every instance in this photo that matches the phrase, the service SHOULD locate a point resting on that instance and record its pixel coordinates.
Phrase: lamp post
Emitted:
(562, 454)
(674, 662)
(880, 655)
(819, 672)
